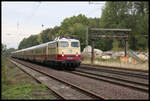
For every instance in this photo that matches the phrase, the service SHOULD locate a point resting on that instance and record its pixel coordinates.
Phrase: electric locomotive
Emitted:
(61, 52)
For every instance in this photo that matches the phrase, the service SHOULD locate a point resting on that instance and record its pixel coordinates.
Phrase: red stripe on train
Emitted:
(68, 57)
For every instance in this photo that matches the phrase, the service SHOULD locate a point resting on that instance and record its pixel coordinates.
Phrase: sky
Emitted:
(22, 19)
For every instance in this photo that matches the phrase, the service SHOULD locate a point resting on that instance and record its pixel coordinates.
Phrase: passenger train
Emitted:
(61, 52)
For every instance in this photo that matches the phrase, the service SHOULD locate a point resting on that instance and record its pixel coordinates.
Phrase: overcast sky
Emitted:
(21, 19)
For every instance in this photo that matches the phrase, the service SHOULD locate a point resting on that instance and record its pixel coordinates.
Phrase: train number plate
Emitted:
(69, 57)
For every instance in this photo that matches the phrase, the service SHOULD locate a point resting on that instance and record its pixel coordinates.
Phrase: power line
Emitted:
(95, 10)
(33, 12)
(35, 9)
(90, 2)
(17, 26)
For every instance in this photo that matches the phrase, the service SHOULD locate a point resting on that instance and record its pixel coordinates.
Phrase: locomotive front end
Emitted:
(69, 52)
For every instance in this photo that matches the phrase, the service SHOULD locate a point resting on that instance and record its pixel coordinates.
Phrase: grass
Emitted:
(3, 71)
(18, 85)
(108, 60)
(17, 91)
(102, 60)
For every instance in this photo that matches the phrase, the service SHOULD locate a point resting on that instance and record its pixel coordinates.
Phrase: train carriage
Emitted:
(61, 52)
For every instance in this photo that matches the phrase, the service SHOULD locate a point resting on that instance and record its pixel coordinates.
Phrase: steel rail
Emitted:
(107, 70)
(55, 92)
(64, 81)
(113, 67)
(115, 78)
(118, 82)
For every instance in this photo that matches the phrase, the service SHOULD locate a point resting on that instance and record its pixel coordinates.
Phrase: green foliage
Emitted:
(43, 86)
(132, 15)
(28, 42)
(102, 44)
(75, 26)
(78, 30)
(54, 30)
(115, 45)
(94, 22)
(7, 52)
(17, 91)
(108, 60)
(14, 87)
(3, 48)
(44, 35)
(3, 70)
(142, 43)
(67, 22)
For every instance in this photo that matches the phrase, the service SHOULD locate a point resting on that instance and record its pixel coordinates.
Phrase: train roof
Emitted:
(64, 39)
(46, 44)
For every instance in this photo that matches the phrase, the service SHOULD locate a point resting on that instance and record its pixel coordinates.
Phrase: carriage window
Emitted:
(74, 44)
(64, 44)
(44, 50)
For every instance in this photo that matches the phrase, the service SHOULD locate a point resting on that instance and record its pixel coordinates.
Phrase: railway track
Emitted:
(103, 90)
(121, 71)
(126, 83)
(67, 90)
(135, 80)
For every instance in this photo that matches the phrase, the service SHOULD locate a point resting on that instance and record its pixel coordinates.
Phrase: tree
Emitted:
(3, 48)
(53, 32)
(126, 14)
(115, 45)
(44, 35)
(94, 22)
(28, 42)
(69, 22)
(5, 51)
(78, 30)
(75, 26)
(132, 15)
(8, 51)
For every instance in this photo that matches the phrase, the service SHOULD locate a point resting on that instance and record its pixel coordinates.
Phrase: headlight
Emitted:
(62, 53)
(76, 53)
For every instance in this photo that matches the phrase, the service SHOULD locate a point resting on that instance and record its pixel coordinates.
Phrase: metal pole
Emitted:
(86, 36)
(92, 44)
(126, 46)
(92, 58)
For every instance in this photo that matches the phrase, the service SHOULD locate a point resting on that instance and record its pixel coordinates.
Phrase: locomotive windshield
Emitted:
(75, 44)
(63, 44)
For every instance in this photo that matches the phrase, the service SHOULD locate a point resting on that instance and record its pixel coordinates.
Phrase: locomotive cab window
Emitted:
(63, 44)
(75, 44)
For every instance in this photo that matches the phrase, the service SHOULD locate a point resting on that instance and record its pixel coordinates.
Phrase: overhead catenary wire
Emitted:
(94, 10)
(28, 18)
(33, 12)
(91, 2)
